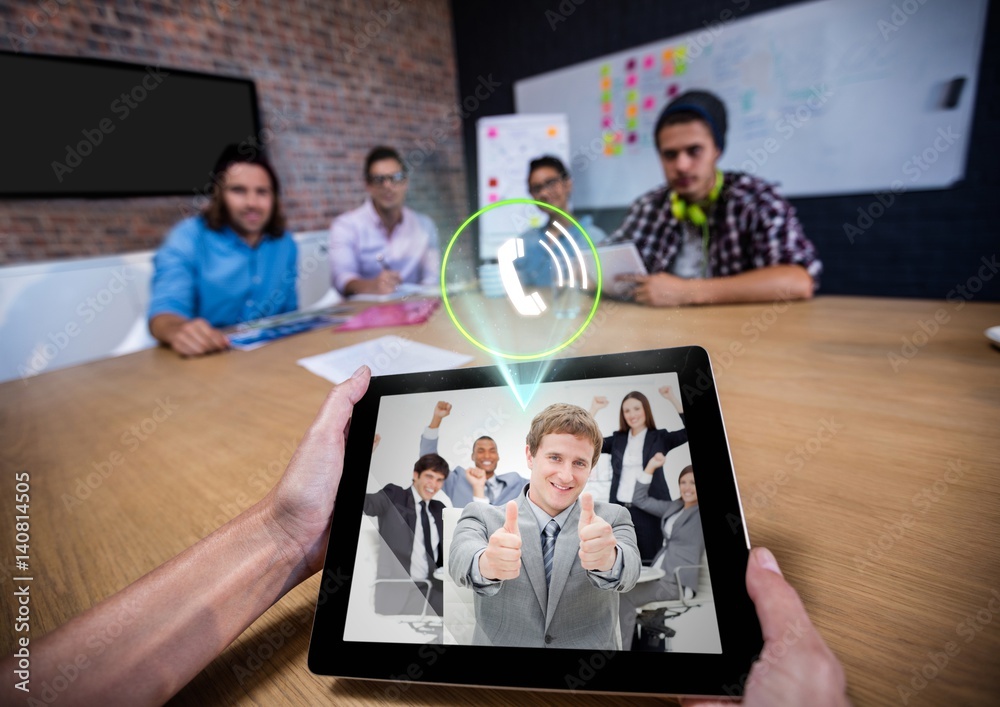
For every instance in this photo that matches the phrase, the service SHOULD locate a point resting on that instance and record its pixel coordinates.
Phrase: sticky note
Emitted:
(552, 131)
(648, 62)
(492, 182)
(648, 103)
(491, 132)
(632, 137)
(606, 84)
(631, 110)
(630, 65)
(631, 80)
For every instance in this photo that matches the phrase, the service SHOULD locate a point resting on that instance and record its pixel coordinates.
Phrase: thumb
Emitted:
(777, 603)
(586, 509)
(510, 523)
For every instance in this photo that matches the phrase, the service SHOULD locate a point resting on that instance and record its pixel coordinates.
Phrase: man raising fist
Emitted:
(537, 582)
(478, 483)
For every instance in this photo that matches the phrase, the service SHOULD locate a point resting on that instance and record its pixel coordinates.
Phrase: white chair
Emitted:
(672, 608)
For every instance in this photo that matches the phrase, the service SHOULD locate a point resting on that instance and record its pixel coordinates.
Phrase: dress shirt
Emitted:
(217, 276)
(631, 466)
(358, 237)
(418, 554)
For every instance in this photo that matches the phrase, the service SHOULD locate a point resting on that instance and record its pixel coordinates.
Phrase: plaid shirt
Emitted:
(750, 226)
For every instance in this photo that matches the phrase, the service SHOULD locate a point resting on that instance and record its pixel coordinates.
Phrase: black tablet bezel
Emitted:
(726, 544)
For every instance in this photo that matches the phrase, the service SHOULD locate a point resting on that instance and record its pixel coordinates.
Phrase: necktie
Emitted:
(425, 523)
(549, 534)
(491, 491)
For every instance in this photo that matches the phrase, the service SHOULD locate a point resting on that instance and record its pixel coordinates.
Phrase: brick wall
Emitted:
(334, 78)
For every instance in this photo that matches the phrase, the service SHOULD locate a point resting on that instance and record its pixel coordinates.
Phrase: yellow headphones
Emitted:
(695, 213)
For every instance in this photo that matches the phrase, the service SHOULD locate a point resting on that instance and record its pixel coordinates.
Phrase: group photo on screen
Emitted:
(571, 523)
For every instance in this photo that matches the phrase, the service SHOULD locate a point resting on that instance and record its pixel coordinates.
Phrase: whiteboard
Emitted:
(506, 144)
(826, 97)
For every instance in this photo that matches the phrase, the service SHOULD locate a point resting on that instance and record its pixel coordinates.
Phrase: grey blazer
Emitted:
(579, 610)
(686, 542)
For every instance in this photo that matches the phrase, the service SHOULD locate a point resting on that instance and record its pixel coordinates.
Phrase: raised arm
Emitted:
(597, 404)
(193, 606)
(641, 497)
(429, 445)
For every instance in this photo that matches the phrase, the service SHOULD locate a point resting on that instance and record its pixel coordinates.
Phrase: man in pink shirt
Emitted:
(382, 243)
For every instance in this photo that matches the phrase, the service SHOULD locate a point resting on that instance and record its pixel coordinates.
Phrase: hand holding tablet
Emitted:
(805, 672)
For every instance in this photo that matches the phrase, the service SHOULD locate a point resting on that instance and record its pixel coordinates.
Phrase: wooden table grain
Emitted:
(865, 435)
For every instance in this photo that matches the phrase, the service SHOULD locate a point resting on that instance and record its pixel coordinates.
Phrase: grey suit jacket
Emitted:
(579, 610)
(686, 542)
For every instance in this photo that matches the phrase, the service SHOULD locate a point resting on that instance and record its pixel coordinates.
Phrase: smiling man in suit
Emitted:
(547, 569)
(478, 483)
(411, 527)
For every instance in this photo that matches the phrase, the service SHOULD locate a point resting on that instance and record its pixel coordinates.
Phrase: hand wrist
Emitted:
(297, 562)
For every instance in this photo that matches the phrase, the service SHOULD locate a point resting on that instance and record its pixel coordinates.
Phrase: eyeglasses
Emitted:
(380, 179)
(536, 189)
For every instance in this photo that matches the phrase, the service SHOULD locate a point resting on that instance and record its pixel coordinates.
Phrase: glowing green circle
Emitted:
(472, 339)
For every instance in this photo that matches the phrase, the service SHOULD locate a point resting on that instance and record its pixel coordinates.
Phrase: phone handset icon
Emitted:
(527, 305)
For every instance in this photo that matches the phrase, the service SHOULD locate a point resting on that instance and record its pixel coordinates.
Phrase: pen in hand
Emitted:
(387, 280)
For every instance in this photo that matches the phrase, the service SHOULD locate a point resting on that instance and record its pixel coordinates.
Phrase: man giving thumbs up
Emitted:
(547, 568)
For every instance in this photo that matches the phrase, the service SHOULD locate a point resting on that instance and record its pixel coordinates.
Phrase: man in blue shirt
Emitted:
(549, 182)
(232, 263)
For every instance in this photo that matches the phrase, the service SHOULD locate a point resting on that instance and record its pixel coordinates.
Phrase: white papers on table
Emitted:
(386, 355)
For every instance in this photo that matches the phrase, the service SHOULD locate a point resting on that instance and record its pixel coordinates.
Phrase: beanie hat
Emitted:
(706, 106)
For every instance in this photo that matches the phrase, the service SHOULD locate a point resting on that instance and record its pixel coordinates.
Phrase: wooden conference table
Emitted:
(873, 480)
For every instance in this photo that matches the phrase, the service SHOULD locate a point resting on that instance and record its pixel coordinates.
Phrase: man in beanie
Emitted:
(233, 263)
(709, 236)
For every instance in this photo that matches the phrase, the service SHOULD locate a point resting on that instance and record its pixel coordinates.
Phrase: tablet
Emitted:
(616, 259)
(385, 611)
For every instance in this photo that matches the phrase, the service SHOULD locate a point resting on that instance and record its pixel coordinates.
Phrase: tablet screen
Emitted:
(438, 458)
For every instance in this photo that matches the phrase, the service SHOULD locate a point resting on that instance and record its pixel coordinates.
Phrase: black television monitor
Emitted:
(94, 128)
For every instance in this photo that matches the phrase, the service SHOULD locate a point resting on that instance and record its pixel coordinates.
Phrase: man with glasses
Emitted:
(382, 243)
(549, 182)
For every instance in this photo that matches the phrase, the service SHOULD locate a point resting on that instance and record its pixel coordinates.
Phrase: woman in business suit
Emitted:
(681, 545)
(631, 448)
